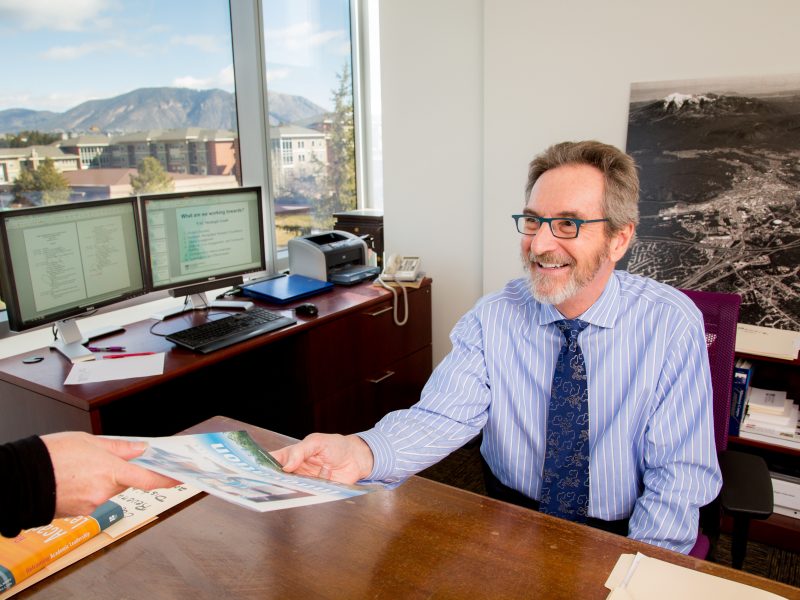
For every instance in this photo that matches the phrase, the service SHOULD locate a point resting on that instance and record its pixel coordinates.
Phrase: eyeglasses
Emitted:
(560, 227)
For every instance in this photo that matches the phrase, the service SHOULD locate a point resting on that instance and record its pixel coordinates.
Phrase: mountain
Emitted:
(709, 121)
(155, 108)
(677, 106)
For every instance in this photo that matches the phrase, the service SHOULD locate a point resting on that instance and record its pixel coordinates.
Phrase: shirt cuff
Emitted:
(382, 455)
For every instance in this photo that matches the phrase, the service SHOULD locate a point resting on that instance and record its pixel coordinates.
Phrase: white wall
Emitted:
(529, 73)
(431, 82)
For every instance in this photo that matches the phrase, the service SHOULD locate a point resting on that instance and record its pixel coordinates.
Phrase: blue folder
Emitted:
(286, 289)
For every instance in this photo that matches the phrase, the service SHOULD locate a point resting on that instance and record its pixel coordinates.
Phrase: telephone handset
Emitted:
(401, 268)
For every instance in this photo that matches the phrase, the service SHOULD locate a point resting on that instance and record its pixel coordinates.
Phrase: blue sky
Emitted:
(60, 53)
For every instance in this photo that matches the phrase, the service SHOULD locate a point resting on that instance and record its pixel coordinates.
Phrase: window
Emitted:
(110, 85)
(309, 71)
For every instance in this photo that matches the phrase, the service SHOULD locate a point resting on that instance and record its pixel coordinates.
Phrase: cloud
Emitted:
(205, 43)
(55, 101)
(75, 52)
(223, 80)
(294, 44)
(74, 15)
(276, 74)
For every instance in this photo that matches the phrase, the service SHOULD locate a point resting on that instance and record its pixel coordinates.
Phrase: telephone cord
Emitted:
(395, 302)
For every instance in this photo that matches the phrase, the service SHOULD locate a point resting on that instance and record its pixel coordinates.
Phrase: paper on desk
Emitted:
(118, 368)
(765, 341)
(639, 577)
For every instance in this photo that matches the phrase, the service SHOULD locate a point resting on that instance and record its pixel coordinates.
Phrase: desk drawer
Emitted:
(382, 342)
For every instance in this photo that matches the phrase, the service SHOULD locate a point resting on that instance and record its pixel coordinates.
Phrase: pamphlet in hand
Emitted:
(231, 466)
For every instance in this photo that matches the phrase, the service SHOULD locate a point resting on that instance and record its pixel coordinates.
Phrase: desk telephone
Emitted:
(399, 269)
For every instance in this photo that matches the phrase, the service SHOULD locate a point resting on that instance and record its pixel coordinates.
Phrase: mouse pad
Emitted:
(286, 289)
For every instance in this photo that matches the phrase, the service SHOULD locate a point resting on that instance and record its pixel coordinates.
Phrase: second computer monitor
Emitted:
(199, 240)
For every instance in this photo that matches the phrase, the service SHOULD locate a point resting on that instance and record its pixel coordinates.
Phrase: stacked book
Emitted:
(742, 373)
(772, 418)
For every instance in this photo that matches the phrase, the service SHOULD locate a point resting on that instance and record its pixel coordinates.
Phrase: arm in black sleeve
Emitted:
(28, 497)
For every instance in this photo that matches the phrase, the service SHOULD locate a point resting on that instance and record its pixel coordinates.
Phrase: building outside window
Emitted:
(309, 67)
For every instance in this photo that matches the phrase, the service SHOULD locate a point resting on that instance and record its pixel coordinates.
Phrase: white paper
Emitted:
(765, 341)
(116, 368)
(651, 579)
(140, 507)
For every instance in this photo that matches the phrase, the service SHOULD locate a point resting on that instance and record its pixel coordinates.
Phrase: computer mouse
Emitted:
(307, 309)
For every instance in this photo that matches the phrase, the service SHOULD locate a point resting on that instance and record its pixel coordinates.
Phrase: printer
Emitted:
(335, 256)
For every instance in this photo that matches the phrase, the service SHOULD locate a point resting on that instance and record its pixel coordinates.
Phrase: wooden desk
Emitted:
(421, 540)
(339, 371)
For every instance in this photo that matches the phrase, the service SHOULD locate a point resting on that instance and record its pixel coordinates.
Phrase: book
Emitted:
(785, 441)
(35, 548)
(742, 373)
(765, 401)
(139, 507)
(785, 419)
(750, 424)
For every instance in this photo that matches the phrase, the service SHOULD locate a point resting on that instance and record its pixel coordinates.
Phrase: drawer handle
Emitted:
(379, 379)
(380, 312)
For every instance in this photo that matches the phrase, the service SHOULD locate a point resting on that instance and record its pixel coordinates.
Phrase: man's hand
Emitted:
(344, 459)
(90, 469)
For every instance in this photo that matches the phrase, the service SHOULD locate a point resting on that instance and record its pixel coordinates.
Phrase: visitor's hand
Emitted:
(90, 469)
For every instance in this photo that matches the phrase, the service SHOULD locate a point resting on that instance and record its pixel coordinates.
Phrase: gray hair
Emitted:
(621, 192)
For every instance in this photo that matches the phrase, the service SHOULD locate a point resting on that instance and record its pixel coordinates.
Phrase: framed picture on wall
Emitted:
(719, 164)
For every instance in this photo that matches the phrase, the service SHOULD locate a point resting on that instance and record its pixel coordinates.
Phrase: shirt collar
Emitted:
(602, 313)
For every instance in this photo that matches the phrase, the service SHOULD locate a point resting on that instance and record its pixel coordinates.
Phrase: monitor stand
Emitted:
(70, 341)
(201, 302)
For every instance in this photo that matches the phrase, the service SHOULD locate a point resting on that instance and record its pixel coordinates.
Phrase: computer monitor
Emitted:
(200, 241)
(63, 261)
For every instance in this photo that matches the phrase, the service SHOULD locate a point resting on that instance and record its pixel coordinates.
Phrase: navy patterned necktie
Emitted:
(565, 478)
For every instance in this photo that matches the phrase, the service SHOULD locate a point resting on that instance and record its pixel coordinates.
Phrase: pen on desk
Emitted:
(127, 355)
(106, 348)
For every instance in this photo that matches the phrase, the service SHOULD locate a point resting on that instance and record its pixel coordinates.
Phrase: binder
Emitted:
(286, 289)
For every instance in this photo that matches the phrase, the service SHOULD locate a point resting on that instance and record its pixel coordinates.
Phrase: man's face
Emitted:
(570, 273)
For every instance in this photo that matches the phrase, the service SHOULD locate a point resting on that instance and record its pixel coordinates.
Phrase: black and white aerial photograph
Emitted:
(719, 164)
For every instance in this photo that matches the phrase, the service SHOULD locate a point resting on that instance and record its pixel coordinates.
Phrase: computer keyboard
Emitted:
(226, 331)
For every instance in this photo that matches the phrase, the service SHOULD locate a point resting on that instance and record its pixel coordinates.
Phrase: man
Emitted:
(591, 385)
(66, 474)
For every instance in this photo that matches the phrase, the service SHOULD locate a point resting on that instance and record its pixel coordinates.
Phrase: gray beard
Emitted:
(574, 284)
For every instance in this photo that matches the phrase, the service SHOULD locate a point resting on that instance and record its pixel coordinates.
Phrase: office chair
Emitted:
(746, 485)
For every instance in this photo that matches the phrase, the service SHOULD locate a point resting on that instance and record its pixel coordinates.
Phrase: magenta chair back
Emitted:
(720, 315)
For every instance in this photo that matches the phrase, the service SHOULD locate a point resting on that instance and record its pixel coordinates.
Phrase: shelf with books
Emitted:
(781, 375)
(768, 373)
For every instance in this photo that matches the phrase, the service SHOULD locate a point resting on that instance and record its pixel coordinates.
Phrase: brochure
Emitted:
(231, 466)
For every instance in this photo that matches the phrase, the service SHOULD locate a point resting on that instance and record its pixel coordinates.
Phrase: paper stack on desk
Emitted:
(765, 341)
(639, 577)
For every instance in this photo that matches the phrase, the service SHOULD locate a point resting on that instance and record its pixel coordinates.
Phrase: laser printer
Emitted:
(335, 256)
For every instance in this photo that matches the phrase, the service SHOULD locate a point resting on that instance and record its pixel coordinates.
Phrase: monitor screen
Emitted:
(198, 238)
(66, 260)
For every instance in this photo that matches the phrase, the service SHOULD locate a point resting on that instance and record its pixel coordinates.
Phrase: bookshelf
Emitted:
(775, 374)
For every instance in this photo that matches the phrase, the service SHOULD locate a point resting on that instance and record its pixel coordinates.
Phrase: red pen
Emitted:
(127, 355)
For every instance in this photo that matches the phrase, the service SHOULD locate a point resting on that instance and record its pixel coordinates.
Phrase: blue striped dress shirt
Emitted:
(652, 454)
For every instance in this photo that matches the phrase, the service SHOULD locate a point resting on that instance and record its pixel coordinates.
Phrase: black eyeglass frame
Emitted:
(549, 221)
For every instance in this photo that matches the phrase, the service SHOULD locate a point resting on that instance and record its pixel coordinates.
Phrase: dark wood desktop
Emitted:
(339, 371)
(421, 540)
